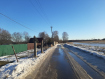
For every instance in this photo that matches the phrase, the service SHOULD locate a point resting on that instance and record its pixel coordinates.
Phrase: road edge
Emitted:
(78, 70)
(37, 66)
(101, 73)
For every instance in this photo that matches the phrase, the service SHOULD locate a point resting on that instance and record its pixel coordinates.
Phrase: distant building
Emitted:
(37, 39)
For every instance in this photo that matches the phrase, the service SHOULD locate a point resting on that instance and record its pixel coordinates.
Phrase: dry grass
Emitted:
(69, 42)
(45, 47)
(9, 56)
(22, 56)
(98, 41)
(4, 63)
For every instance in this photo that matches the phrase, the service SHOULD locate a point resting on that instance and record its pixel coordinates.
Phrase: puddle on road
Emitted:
(87, 68)
(61, 52)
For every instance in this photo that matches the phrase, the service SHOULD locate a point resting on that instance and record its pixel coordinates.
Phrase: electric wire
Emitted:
(42, 10)
(16, 21)
(38, 12)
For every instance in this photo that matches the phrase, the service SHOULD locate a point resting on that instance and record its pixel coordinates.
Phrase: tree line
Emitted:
(18, 37)
(7, 38)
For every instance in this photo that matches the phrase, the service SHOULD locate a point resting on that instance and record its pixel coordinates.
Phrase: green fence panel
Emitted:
(7, 49)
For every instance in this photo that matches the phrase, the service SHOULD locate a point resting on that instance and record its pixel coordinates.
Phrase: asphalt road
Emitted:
(57, 67)
(62, 64)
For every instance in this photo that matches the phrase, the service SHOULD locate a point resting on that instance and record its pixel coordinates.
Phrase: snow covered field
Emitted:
(91, 44)
(18, 70)
(95, 50)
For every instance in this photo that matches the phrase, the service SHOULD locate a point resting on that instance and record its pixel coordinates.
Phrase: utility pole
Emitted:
(52, 33)
(35, 47)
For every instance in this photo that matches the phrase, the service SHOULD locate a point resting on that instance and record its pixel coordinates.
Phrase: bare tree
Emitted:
(45, 37)
(55, 36)
(17, 37)
(5, 37)
(65, 36)
(26, 36)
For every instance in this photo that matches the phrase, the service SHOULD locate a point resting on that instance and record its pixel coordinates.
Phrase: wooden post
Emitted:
(14, 53)
(35, 47)
(42, 46)
(53, 43)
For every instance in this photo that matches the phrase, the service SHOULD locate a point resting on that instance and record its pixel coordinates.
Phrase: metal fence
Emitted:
(7, 49)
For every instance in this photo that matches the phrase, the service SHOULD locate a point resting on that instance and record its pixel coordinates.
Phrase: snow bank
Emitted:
(17, 70)
(95, 53)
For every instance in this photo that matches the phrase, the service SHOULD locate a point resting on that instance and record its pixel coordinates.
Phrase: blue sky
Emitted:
(81, 19)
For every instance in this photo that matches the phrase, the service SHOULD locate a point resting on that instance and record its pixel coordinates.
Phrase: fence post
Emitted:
(35, 47)
(53, 43)
(42, 46)
(14, 53)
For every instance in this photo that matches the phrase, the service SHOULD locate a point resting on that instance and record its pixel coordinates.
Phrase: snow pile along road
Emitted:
(90, 50)
(25, 65)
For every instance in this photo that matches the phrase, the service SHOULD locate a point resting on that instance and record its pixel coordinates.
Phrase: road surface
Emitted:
(64, 65)
(57, 68)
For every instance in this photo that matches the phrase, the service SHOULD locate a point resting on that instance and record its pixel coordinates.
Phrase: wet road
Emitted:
(87, 68)
(63, 64)
(57, 67)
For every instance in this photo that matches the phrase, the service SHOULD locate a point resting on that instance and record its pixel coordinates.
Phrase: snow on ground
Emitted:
(96, 62)
(91, 44)
(10, 58)
(94, 47)
(15, 70)
(94, 50)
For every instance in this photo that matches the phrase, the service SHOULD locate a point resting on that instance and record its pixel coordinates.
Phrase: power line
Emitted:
(15, 21)
(38, 11)
(42, 10)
